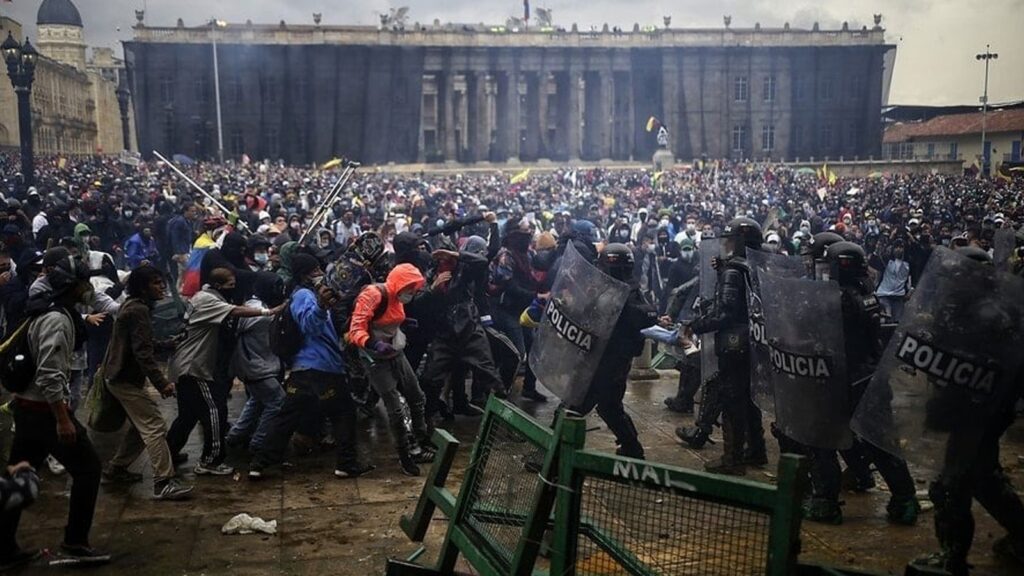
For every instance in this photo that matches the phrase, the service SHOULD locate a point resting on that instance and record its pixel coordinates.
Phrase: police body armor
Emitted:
(733, 338)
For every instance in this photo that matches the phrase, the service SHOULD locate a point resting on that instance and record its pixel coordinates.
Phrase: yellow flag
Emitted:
(62, 163)
(832, 178)
(657, 176)
(520, 177)
(652, 123)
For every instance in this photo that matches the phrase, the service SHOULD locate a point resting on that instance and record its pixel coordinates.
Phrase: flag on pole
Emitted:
(653, 124)
(657, 176)
(520, 177)
(832, 178)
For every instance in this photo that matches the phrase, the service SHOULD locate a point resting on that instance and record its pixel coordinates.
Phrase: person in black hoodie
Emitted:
(461, 338)
(512, 287)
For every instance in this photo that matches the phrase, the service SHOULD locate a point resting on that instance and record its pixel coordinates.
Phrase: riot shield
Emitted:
(582, 311)
(951, 364)
(760, 263)
(1003, 244)
(805, 347)
(709, 249)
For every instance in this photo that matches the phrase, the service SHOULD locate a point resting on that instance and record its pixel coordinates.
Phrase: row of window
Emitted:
(769, 88)
(826, 137)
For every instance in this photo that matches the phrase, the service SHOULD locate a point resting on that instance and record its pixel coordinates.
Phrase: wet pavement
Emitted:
(332, 526)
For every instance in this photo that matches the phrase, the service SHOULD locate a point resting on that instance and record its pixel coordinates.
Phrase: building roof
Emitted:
(1006, 120)
(58, 12)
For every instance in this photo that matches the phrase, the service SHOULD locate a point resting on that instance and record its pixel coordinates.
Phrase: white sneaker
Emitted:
(56, 468)
(218, 470)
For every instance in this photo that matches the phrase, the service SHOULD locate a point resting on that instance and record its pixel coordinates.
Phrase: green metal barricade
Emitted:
(603, 514)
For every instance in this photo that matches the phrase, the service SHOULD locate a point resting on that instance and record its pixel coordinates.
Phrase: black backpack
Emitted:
(285, 334)
(17, 366)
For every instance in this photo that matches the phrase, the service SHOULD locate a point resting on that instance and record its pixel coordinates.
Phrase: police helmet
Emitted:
(818, 243)
(747, 230)
(616, 260)
(846, 260)
(975, 253)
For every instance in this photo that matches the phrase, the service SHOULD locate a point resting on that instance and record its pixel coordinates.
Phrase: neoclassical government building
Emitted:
(471, 93)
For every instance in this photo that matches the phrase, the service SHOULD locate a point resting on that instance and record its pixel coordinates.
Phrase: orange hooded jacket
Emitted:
(360, 329)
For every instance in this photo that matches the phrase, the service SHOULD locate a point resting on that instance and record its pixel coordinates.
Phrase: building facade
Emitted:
(75, 108)
(446, 93)
(958, 137)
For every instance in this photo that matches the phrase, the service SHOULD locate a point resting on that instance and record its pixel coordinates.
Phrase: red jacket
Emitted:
(401, 278)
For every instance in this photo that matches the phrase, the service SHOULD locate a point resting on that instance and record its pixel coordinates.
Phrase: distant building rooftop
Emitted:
(1002, 120)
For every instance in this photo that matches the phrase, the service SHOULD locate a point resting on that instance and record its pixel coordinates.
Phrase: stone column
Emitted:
(508, 114)
(570, 107)
(531, 147)
(671, 97)
(607, 113)
(479, 131)
(592, 120)
(446, 92)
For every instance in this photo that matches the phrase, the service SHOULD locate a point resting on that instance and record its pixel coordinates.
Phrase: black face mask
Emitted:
(519, 241)
(421, 260)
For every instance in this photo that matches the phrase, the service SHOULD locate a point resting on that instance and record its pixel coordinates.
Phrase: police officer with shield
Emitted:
(861, 317)
(729, 319)
(626, 342)
(971, 470)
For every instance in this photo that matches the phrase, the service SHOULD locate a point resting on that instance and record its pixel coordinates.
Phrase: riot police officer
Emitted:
(813, 254)
(972, 470)
(609, 386)
(847, 264)
(741, 420)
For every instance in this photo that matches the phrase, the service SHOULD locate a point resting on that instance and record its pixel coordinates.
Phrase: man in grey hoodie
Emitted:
(256, 365)
(44, 423)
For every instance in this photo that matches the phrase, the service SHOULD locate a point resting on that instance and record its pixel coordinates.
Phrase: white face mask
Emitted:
(405, 297)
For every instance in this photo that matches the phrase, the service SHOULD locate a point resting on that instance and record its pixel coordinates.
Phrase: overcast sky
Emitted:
(937, 39)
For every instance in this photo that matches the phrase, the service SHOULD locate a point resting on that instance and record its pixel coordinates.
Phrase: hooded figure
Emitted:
(376, 330)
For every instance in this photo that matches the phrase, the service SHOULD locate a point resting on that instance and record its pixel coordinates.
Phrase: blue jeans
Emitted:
(893, 305)
(507, 322)
(266, 397)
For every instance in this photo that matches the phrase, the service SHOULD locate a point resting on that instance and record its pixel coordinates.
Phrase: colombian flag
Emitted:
(190, 279)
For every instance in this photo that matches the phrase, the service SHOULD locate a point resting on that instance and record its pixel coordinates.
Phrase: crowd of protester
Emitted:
(464, 255)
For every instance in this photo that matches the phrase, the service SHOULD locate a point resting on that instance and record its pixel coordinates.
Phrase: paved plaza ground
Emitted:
(331, 526)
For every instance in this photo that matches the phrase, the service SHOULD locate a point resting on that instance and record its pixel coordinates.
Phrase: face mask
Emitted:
(128, 213)
(405, 297)
(261, 257)
(325, 242)
(242, 209)
(686, 255)
(805, 229)
(691, 227)
(294, 225)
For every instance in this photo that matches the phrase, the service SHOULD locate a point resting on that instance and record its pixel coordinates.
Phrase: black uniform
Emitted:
(862, 317)
(729, 318)
(608, 387)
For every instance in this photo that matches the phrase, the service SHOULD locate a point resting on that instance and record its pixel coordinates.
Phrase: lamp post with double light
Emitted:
(21, 67)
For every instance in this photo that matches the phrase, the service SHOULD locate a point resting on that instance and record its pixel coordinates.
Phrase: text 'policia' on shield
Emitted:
(567, 329)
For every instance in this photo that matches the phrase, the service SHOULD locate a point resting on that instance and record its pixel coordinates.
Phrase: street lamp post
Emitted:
(21, 67)
(214, 24)
(984, 107)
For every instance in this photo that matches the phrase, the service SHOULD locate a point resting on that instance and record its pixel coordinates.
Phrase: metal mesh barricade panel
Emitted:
(660, 532)
(502, 495)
